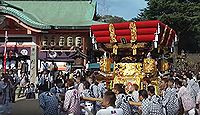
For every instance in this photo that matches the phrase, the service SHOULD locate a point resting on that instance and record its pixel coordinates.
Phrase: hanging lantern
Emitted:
(62, 41)
(52, 43)
(78, 41)
(69, 41)
(45, 43)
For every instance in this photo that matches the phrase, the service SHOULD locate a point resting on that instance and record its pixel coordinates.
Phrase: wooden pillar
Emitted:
(33, 60)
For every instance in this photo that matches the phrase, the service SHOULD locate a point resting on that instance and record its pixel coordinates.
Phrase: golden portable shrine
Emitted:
(135, 50)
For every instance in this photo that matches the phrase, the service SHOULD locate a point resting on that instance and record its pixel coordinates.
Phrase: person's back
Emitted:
(49, 103)
(187, 102)
(193, 88)
(121, 99)
(72, 99)
(109, 104)
(170, 101)
(24, 68)
(155, 103)
(110, 111)
(155, 106)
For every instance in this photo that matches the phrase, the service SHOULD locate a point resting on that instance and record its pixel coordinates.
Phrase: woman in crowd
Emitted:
(143, 97)
(94, 89)
(72, 99)
(78, 83)
(43, 81)
(186, 100)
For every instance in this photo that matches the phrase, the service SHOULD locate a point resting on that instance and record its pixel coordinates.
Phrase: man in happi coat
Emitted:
(49, 103)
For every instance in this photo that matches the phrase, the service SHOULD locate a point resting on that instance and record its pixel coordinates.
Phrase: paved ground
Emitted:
(26, 107)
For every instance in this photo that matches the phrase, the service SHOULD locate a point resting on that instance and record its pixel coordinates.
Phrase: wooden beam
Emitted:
(100, 99)
(58, 50)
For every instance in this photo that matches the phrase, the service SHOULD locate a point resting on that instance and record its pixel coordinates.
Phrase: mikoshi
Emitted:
(134, 50)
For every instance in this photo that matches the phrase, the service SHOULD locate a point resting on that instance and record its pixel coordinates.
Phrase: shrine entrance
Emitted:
(19, 48)
(21, 45)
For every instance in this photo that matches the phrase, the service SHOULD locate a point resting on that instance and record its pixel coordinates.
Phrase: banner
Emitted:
(5, 49)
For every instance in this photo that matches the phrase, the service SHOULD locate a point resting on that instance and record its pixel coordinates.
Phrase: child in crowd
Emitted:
(30, 91)
(88, 106)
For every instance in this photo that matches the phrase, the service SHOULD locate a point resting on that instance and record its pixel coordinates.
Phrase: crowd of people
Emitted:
(178, 94)
(83, 93)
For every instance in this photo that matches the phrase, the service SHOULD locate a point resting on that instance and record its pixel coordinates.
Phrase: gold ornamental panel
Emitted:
(149, 65)
(164, 65)
(105, 65)
(127, 69)
(128, 73)
(127, 81)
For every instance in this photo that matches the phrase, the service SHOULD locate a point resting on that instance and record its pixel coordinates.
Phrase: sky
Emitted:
(123, 8)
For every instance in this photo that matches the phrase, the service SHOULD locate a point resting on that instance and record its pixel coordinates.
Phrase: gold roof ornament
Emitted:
(133, 30)
(112, 33)
(113, 39)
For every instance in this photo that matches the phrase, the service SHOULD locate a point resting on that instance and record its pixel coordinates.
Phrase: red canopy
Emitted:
(146, 31)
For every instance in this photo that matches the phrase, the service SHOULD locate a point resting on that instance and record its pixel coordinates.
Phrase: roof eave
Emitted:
(72, 27)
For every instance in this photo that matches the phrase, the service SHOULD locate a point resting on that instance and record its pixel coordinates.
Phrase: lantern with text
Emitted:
(45, 42)
(78, 41)
(62, 41)
(69, 41)
(52, 42)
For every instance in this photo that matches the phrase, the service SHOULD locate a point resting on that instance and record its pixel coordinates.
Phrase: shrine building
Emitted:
(57, 30)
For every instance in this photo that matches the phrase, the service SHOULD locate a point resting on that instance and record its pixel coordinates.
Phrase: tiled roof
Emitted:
(45, 14)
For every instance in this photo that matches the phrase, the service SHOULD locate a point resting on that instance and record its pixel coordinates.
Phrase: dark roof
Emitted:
(76, 54)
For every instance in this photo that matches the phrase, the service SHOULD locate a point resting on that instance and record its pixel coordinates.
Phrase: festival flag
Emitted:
(5, 54)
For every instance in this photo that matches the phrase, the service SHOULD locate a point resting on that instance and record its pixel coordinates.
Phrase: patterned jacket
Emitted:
(72, 102)
(49, 103)
(122, 102)
(170, 102)
(152, 106)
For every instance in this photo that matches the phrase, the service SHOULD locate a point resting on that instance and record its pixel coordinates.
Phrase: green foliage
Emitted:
(109, 19)
(181, 15)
